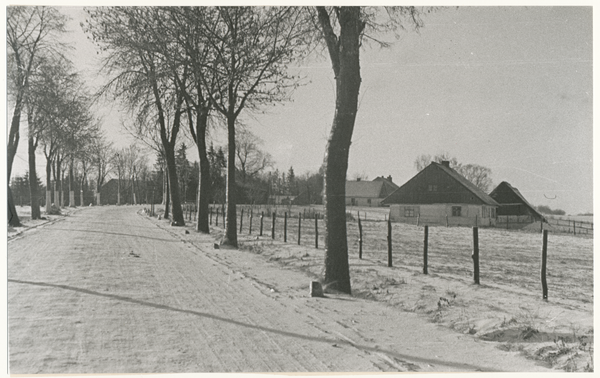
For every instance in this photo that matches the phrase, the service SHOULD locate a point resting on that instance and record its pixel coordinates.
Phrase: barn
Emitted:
(440, 195)
(514, 205)
(369, 193)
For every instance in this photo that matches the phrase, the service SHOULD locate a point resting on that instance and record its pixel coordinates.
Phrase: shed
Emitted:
(513, 203)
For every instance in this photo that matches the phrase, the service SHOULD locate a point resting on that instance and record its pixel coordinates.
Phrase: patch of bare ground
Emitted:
(506, 308)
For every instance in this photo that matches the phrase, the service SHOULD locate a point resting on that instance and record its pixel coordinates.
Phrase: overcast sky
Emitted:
(506, 88)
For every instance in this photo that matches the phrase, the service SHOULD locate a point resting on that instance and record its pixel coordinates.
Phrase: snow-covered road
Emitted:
(107, 290)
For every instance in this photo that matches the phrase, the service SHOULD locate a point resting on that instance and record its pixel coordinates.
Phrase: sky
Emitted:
(508, 88)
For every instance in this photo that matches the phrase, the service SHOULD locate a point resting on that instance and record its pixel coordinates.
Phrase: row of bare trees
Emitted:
(43, 86)
(173, 67)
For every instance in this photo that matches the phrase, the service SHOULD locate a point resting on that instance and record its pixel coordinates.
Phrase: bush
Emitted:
(548, 210)
(54, 210)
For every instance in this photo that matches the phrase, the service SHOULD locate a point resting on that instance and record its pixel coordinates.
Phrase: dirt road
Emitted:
(107, 290)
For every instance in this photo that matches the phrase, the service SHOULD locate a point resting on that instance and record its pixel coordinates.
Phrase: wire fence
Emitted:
(490, 254)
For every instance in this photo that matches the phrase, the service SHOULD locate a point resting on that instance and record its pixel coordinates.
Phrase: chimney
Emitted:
(446, 163)
(358, 179)
(389, 178)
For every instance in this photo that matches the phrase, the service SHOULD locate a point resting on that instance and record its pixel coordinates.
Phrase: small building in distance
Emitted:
(514, 208)
(281, 199)
(109, 193)
(440, 195)
(369, 193)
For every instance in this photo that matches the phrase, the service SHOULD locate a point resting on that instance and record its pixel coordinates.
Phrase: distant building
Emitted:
(439, 195)
(512, 203)
(108, 192)
(281, 199)
(369, 193)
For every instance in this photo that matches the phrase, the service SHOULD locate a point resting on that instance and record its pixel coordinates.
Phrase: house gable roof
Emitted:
(364, 189)
(453, 175)
(504, 187)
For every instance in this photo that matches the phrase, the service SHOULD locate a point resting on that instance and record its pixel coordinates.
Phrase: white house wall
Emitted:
(439, 214)
(362, 201)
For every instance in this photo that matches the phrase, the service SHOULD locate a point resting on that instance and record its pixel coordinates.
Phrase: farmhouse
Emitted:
(440, 195)
(369, 193)
(514, 205)
(281, 199)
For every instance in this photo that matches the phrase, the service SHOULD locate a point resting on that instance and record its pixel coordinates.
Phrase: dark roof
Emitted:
(462, 181)
(505, 186)
(468, 185)
(387, 180)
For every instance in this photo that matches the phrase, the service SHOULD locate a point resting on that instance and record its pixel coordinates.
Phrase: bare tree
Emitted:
(479, 175)
(250, 50)
(30, 32)
(251, 159)
(44, 107)
(424, 160)
(192, 51)
(100, 163)
(139, 75)
(343, 29)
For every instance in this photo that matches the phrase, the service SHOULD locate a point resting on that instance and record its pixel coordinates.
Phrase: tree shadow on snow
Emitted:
(461, 366)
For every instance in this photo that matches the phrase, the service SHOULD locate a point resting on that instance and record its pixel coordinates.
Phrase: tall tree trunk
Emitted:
(346, 65)
(204, 179)
(167, 196)
(11, 152)
(48, 184)
(13, 218)
(81, 192)
(230, 237)
(62, 188)
(33, 184)
(119, 188)
(71, 185)
(176, 210)
(56, 177)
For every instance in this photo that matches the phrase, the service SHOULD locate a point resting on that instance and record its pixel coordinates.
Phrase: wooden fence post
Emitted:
(241, 220)
(574, 230)
(210, 216)
(285, 227)
(446, 220)
(418, 219)
(250, 225)
(389, 240)
(217, 218)
(299, 226)
(476, 255)
(544, 258)
(316, 232)
(273, 225)
(262, 215)
(360, 239)
(425, 243)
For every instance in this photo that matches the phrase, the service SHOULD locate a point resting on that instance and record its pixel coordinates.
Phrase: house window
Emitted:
(432, 188)
(409, 211)
(456, 211)
(369, 201)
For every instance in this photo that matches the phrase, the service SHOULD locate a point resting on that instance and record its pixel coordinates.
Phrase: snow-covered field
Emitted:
(506, 307)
